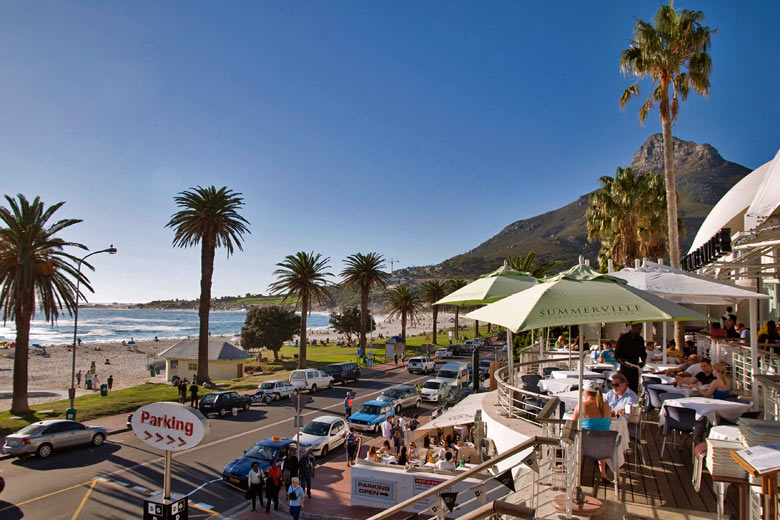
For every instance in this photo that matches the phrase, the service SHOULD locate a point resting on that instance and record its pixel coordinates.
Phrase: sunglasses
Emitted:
(617, 383)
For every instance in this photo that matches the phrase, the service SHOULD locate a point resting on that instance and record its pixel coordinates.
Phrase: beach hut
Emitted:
(226, 361)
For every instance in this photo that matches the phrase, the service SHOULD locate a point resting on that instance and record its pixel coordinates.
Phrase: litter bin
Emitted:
(88, 384)
(70, 414)
(103, 390)
(151, 371)
(157, 371)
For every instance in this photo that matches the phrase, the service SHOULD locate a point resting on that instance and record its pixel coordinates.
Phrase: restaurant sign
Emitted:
(422, 484)
(374, 490)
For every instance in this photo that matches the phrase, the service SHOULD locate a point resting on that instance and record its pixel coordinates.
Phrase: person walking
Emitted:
(194, 394)
(183, 391)
(272, 485)
(295, 498)
(397, 438)
(255, 479)
(95, 382)
(348, 405)
(387, 429)
(307, 464)
(352, 446)
(78, 378)
(110, 382)
(631, 355)
(290, 467)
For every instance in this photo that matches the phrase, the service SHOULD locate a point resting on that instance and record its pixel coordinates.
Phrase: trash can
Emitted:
(151, 371)
(88, 384)
(103, 390)
(70, 414)
(157, 371)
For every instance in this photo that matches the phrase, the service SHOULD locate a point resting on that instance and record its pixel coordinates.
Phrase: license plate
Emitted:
(234, 480)
(359, 428)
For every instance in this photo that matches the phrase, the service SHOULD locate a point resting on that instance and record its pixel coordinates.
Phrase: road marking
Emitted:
(45, 496)
(83, 501)
(203, 485)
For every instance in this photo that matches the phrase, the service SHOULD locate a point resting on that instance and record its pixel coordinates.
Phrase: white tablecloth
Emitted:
(664, 378)
(707, 407)
(390, 459)
(556, 386)
(657, 367)
(587, 374)
(569, 399)
(724, 432)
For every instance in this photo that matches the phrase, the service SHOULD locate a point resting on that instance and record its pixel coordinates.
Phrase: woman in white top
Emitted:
(255, 479)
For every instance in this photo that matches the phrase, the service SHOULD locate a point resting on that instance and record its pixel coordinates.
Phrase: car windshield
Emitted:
(297, 375)
(370, 409)
(319, 429)
(393, 392)
(432, 384)
(447, 374)
(263, 452)
(485, 363)
(31, 429)
(267, 386)
(209, 398)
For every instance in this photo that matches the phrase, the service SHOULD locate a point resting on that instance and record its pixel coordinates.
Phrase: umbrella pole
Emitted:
(754, 350)
(510, 361)
(579, 420)
(663, 347)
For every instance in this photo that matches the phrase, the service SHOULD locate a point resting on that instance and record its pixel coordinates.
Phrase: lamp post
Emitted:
(112, 251)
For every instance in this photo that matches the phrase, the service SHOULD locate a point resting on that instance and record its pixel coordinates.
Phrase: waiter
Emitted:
(631, 351)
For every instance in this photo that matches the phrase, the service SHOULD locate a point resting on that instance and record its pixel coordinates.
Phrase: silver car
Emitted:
(42, 438)
(401, 396)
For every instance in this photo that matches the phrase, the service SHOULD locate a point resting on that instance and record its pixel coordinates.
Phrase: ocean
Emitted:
(104, 325)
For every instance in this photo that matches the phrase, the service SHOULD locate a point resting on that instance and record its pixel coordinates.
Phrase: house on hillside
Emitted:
(226, 361)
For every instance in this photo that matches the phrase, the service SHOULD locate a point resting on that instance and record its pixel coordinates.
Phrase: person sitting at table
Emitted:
(731, 331)
(620, 395)
(720, 387)
(403, 458)
(673, 352)
(373, 455)
(716, 331)
(446, 463)
(686, 365)
(769, 334)
(703, 376)
(560, 343)
(652, 353)
(595, 416)
(449, 441)
(385, 450)
(744, 332)
(608, 354)
(412, 452)
(689, 347)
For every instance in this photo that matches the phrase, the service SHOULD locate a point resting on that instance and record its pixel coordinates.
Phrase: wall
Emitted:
(217, 369)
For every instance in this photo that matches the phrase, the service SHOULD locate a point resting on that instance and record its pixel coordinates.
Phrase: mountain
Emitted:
(703, 177)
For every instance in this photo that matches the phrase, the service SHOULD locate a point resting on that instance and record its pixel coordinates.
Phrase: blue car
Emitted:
(370, 415)
(273, 449)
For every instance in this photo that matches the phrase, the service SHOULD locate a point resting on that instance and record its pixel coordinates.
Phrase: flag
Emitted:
(438, 508)
(449, 499)
(479, 492)
(507, 479)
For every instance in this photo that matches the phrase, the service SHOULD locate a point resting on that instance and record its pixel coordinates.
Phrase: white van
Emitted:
(310, 379)
(456, 374)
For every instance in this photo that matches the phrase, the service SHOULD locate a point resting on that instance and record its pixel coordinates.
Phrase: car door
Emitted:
(79, 434)
(235, 400)
(56, 435)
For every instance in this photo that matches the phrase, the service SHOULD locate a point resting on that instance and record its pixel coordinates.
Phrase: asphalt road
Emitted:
(112, 480)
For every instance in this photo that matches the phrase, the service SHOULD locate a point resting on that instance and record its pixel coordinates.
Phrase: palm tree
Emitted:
(404, 302)
(527, 265)
(35, 272)
(433, 291)
(364, 271)
(673, 52)
(452, 286)
(303, 276)
(209, 217)
(628, 214)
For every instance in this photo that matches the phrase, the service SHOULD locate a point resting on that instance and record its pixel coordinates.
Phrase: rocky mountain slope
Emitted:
(703, 177)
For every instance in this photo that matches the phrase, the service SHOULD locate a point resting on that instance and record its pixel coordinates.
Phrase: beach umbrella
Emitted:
(581, 296)
(490, 288)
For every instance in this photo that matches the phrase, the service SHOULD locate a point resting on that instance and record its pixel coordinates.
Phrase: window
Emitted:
(192, 367)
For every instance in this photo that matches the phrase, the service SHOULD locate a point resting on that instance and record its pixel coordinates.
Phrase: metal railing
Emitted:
(517, 402)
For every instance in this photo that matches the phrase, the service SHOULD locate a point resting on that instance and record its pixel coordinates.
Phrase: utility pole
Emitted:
(392, 263)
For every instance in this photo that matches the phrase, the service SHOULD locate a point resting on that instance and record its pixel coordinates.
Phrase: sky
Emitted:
(413, 129)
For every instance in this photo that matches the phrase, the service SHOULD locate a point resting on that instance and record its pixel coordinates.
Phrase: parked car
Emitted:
(484, 366)
(371, 415)
(310, 379)
(421, 364)
(343, 372)
(324, 434)
(268, 391)
(401, 396)
(443, 353)
(263, 452)
(435, 390)
(222, 403)
(44, 437)
(468, 347)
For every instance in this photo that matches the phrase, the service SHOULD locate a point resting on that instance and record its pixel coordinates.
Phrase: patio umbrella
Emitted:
(581, 296)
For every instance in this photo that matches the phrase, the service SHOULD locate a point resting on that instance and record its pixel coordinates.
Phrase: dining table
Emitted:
(663, 377)
(389, 459)
(706, 407)
(654, 366)
(617, 424)
(556, 386)
(586, 374)
(688, 392)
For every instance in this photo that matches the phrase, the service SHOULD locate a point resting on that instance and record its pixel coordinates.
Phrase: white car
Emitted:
(443, 353)
(310, 379)
(275, 390)
(324, 434)
(421, 364)
(435, 390)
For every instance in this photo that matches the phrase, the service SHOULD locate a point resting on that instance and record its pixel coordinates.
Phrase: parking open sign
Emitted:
(374, 490)
(169, 426)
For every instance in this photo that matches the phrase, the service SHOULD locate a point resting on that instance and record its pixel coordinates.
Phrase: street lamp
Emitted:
(112, 251)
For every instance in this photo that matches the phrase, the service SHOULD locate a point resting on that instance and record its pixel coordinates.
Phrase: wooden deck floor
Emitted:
(659, 482)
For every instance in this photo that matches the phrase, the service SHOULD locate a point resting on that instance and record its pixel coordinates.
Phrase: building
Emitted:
(226, 361)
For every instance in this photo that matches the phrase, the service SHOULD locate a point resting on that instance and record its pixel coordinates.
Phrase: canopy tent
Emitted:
(462, 413)
(490, 288)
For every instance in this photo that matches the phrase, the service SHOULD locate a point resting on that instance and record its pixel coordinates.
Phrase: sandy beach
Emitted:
(49, 376)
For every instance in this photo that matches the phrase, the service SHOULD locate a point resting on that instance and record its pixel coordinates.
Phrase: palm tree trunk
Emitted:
(403, 326)
(435, 317)
(19, 403)
(671, 214)
(302, 346)
(363, 316)
(276, 354)
(206, 272)
(457, 312)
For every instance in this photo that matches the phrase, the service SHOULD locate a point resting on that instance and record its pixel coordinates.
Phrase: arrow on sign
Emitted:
(171, 440)
(159, 437)
(148, 435)
(182, 442)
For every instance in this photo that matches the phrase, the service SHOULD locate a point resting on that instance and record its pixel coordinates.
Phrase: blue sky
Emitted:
(414, 129)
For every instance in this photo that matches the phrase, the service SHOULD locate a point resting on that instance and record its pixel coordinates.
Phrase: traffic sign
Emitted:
(169, 426)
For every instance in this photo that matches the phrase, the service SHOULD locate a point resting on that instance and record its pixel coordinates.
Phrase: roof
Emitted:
(462, 413)
(219, 349)
(401, 387)
(328, 419)
(376, 403)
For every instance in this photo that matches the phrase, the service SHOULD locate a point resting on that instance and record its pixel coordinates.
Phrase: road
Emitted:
(112, 480)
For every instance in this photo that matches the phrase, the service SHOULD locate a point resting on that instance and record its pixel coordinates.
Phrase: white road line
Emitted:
(203, 485)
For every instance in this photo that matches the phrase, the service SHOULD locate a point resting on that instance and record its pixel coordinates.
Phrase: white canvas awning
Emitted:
(461, 413)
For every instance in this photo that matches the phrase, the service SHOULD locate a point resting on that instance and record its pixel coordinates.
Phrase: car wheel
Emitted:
(324, 452)
(277, 397)
(330, 384)
(313, 388)
(246, 406)
(44, 450)
(222, 412)
(98, 439)
(267, 398)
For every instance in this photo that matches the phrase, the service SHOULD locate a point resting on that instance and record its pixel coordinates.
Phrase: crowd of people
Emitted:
(293, 475)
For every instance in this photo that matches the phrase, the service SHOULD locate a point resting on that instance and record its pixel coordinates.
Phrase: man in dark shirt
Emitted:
(290, 467)
(704, 376)
(631, 349)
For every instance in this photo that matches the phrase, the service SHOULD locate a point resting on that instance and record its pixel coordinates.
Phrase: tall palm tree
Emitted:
(672, 51)
(404, 302)
(209, 217)
(452, 286)
(364, 271)
(303, 276)
(527, 265)
(433, 291)
(628, 214)
(35, 273)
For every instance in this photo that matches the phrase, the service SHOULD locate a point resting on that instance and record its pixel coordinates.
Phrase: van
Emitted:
(435, 390)
(456, 374)
(310, 379)
(343, 372)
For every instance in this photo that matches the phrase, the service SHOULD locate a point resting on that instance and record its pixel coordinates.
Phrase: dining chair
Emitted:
(602, 445)
(549, 370)
(531, 379)
(635, 434)
(678, 419)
